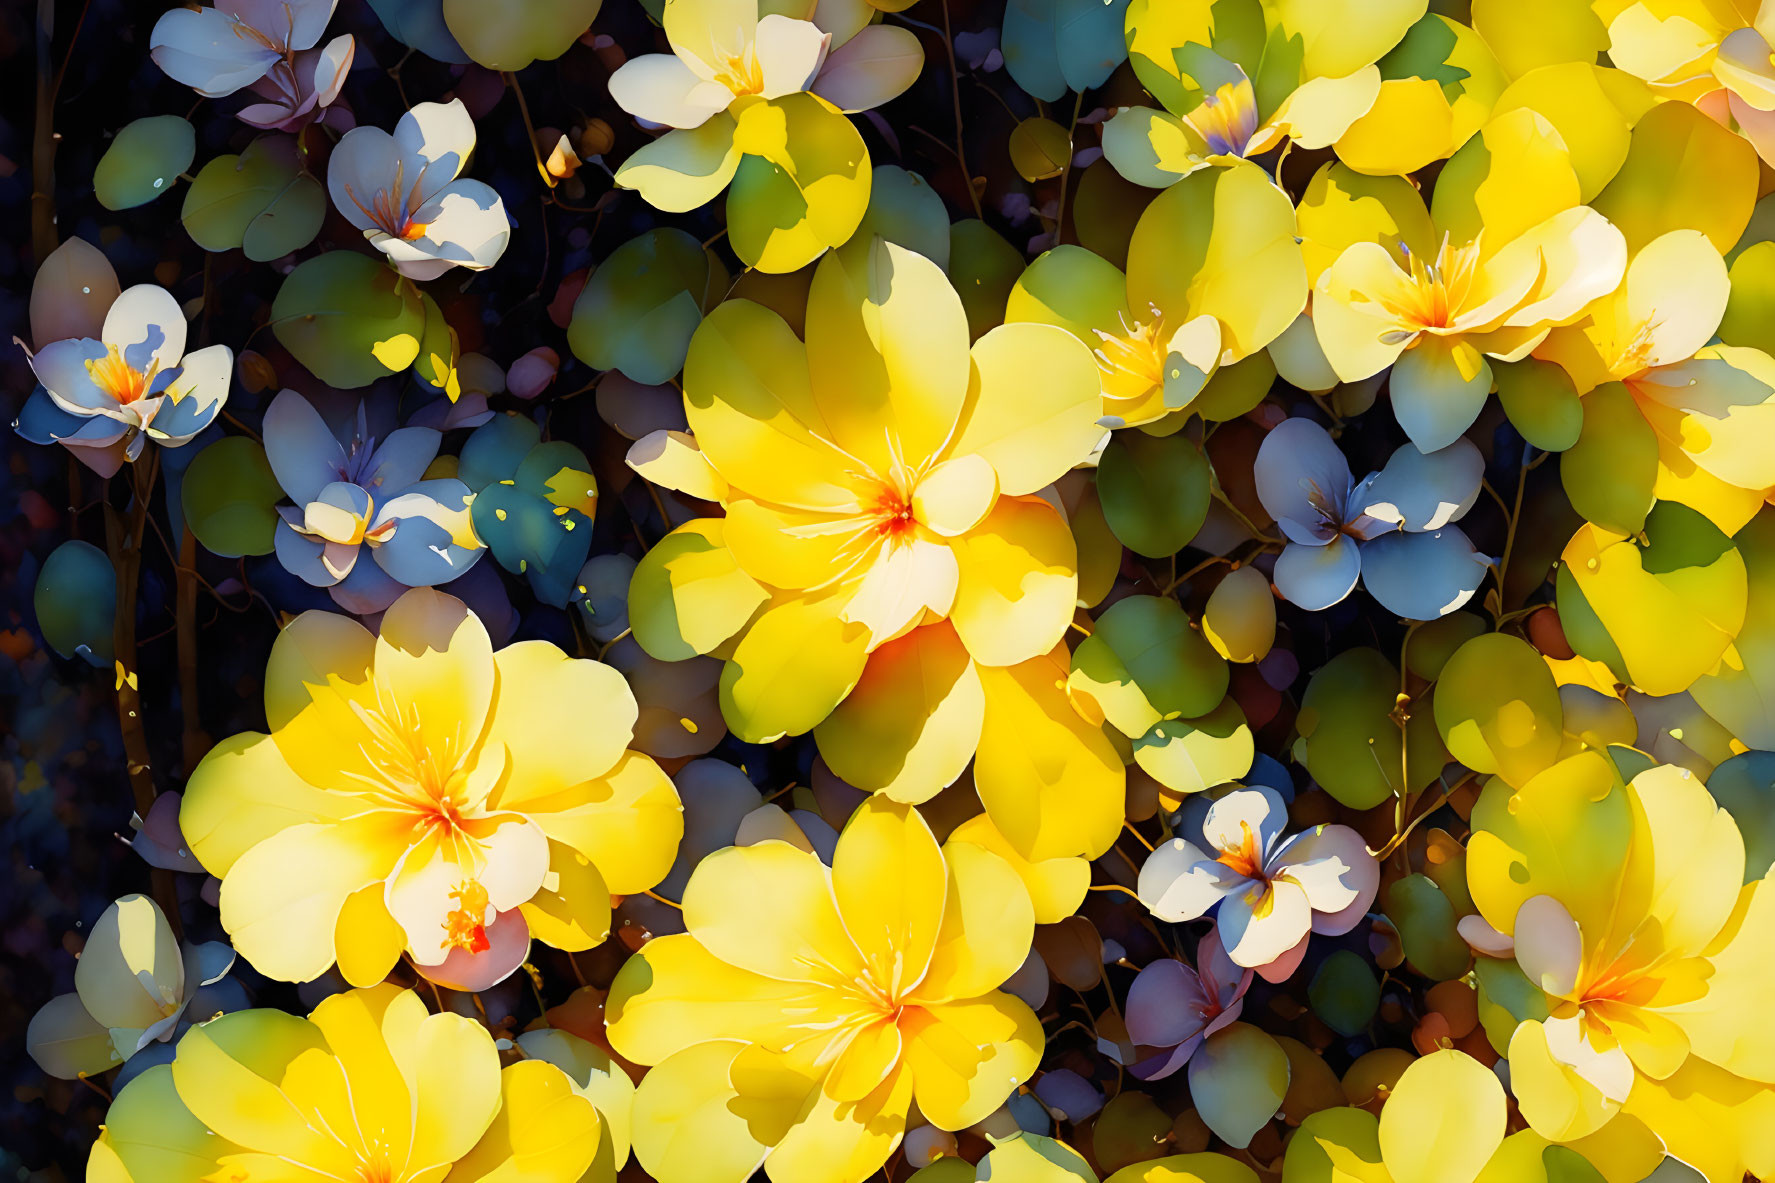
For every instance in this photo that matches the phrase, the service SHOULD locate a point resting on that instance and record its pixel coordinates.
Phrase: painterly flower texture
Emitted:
(1173, 1007)
(759, 97)
(1272, 892)
(1624, 906)
(886, 573)
(420, 792)
(135, 382)
(133, 987)
(797, 1037)
(268, 46)
(1394, 530)
(364, 498)
(369, 1087)
(406, 192)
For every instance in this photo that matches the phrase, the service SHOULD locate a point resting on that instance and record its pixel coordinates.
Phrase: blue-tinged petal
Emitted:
(1424, 490)
(42, 420)
(433, 541)
(1316, 577)
(195, 398)
(367, 590)
(307, 558)
(304, 453)
(61, 367)
(1303, 480)
(1421, 576)
(1439, 387)
(402, 458)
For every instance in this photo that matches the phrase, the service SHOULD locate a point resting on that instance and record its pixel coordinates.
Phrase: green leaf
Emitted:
(1348, 739)
(1426, 923)
(983, 267)
(513, 33)
(1190, 755)
(1143, 662)
(1609, 473)
(1155, 491)
(229, 496)
(905, 210)
(76, 602)
(143, 161)
(1344, 992)
(1497, 708)
(638, 310)
(349, 319)
(260, 201)
(1541, 402)
(1040, 148)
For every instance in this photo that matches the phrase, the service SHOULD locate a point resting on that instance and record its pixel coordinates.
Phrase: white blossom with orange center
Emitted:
(419, 792)
(407, 194)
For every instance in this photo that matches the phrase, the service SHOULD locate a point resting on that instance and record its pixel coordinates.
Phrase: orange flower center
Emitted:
(1246, 860)
(463, 927)
(117, 378)
(740, 72)
(393, 210)
(893, 513)
(1439, 286)
(1132, 362)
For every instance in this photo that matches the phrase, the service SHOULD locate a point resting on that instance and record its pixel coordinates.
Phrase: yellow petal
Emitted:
(227, 1071)
(1443, 1120)
(965, 1058)
(561, 720)
(1342, 207)
(797, 662)
(435, 660)
(547, 1131)
(1515, 174)
(1033, 399)
(688, 594)
(1056, 886)
(803, 185)
(686, 167)
(628, 822)
(366, 938)
(795, 548)
(1051, 782)
(242, 793)
(1018, 582)
(887, 353)
(988, 924)
(672, 460)
(800, 938)
(149, 1136)
(688, 1125)
(1409, 125)
(889, 879)
(843, 1139)
(1683, 171)
(912, 723)
(571, 911)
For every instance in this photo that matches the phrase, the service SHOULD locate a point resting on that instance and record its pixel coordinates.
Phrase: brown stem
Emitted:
(961, 152)
(123, 541)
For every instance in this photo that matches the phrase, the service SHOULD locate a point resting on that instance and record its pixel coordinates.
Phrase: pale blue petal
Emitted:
(1422, 576)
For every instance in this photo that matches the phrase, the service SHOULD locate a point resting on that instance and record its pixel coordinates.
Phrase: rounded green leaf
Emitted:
(639, 308)
(260, 201)
(1190, 755)
(1541, 402)
(1031, 1158)
(1497, 708)
(144, 160)
(1609, 473)
(983, 267)
(1349, 741)
(349, 319)
(905, 210)
(1426, 923)
(228, 496)
(1237, 1079)
(1744, 786)
(1344, 992)
(76, 601)
(1155, 491)
(1040, 148)
(512, 34)
(1144, 662)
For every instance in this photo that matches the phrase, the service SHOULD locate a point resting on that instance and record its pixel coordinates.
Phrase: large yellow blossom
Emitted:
(368, 1089)
(1214, 275)
(887, 570)
(1645, 956)
(1713, 53)
(419, 791)
(1710, 407)
(1505, 254)
(798, 1035)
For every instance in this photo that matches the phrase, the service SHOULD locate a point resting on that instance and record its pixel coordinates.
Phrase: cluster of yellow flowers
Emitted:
(939, 532)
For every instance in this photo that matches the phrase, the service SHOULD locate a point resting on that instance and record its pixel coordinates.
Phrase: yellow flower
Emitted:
(1214, 275)
(419, 791)
(1229, 90)
(887, 571)
(797, 1036)
(1643, 950)
(1715, 55)
(1711, 408)
(759, 100)
(1509, 253)
(367, 1089)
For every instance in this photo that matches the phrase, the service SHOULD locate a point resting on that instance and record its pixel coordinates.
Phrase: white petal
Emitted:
(146, 325)
(661, 88)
